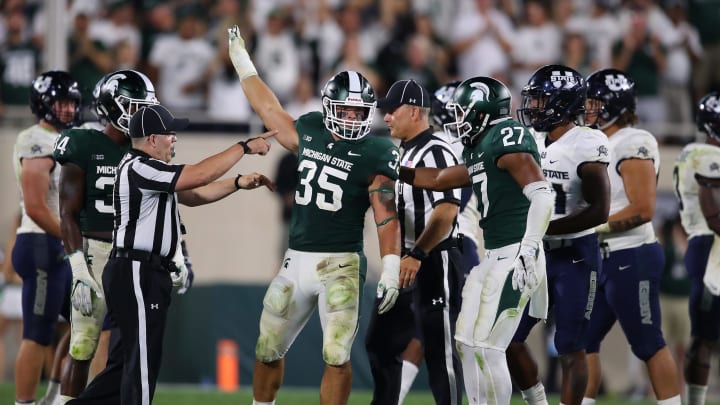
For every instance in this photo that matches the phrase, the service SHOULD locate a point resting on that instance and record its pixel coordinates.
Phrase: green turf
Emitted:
(190, 395)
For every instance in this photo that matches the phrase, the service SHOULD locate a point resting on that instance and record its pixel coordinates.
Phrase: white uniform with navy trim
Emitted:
(36, 142)
(561, 161)
(629, 143)
(689, 162)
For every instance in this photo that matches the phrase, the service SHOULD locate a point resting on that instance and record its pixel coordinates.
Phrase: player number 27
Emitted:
(509, 132)
(329, 197)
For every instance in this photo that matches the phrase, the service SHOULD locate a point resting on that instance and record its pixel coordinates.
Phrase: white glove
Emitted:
(524, 276)
(83, 284)
(180, 277)
(387, 288)
(239, 55)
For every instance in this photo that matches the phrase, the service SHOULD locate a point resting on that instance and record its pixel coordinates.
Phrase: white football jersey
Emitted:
(629, 143)
(694, 158)
(36, 142)
(560, 163)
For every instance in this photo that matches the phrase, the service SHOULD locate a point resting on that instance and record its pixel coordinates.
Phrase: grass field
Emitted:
(190, 395)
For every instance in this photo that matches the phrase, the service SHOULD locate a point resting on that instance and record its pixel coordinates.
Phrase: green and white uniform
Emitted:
(98, 156)
(491, 309)
(325, 264)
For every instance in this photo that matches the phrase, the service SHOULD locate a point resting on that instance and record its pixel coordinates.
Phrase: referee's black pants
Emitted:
(138, 296)
(429, 312)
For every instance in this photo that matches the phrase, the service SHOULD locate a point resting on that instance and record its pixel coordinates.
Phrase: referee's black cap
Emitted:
(155, 119)
(407, 92)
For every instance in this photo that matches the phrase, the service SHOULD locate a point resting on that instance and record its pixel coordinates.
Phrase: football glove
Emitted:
(239, 55)
(387, 288)
(190, 277)
(180, 276)
(83, 284)
(525, 278)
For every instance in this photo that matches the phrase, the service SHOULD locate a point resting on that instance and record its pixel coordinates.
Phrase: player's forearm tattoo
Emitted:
(627, 223)
(386, 196)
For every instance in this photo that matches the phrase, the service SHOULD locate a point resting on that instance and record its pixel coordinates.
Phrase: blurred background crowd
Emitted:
(670, 47)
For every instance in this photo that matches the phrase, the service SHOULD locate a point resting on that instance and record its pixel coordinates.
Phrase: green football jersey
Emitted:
(98, 156)
(331, 197)
(502, 205)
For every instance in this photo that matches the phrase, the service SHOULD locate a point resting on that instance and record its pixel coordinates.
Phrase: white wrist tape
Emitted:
(391, 264)
(239, 55)
(538, 217)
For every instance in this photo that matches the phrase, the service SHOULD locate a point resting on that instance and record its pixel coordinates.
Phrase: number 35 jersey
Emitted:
(332, 197)
(561, 161)
(502, 205)
(98, 156)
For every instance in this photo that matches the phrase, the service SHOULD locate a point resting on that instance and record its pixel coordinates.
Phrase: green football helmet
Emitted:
(348, 89)
(119, 94)
(478, 103)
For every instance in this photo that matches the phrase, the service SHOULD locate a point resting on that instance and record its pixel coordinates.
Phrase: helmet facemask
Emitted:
(532, 111)
(462, 128)
(127, 107)
(350, 129)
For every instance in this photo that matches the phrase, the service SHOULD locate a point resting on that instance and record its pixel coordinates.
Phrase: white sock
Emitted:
(32, 402)
(535, 395)
(472, 375)
(63, 400)
(263, 403)
(588, 401)
(671, 401)
(409, 372)
(696, 394)
(53, 389)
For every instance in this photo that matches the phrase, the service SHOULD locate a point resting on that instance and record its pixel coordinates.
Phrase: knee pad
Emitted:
(276, 306)
(85, 331)
(339, 277)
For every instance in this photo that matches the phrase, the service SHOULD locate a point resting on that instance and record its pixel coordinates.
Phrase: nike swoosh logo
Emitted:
(621, 268)
(501, 258)
(344, 265)
(350, 153)
(578, 261)
(553, 161)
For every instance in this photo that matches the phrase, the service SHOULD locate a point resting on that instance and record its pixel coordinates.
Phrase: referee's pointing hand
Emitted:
(259, 145)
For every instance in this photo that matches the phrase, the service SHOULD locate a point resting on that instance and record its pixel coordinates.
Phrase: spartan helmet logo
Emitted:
(713, 104)
(113, 82)
(714, 167)
(617, 82)
(481, 92)
(560, 80)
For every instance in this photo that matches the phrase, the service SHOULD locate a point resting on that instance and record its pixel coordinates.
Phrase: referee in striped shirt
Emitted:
(430, 252)
(140, 273)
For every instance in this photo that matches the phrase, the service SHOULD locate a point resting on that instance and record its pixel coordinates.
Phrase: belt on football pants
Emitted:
(552, 244)
(144, 256)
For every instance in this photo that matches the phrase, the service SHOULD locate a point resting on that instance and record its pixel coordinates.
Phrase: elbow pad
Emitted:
(538, 216)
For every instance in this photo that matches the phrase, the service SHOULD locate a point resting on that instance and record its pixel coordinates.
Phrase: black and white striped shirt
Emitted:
(146, 211)
(414, 204)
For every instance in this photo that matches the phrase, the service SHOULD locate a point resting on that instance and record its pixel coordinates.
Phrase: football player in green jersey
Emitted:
(341, 173)
(89, 159)
(515, 203)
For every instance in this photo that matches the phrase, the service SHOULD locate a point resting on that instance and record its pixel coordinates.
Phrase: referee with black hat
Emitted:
(430, 252)
(140, 273)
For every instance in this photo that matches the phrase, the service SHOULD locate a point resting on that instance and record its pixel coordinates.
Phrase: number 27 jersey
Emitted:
(331, 197)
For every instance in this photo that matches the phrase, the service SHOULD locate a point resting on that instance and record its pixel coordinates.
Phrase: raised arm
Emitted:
(431, 178)
(211, 168)
(35, 186)
(260, 96)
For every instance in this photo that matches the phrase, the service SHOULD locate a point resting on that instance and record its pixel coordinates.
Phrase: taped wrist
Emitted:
(78, 264)
(391, 266)
(538, 216)
(241, 61)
